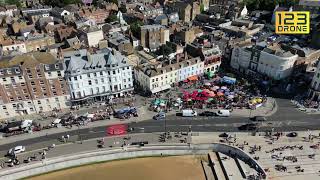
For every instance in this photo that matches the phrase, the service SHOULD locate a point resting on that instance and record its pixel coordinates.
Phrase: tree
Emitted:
(13, 2)
(123, 8)
(111, 18)
(66, 2)
(201, 8)
(165, 50)
(135, 28)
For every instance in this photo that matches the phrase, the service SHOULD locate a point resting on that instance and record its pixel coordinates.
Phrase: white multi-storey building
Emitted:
(159, 77)
(98, 76)
(272, 61)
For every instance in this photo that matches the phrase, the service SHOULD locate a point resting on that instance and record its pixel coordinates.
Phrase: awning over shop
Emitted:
(193, 78)
(161, 88)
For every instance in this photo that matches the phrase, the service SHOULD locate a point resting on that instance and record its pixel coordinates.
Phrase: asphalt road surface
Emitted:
(287, 118)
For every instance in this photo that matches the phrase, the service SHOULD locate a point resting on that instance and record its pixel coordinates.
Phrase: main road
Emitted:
(287, 118)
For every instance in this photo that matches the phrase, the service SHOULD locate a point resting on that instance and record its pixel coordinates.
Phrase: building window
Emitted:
(57, 99)
(9, 71)
(4, 79)
(49, 74)
(59, 73)
(102, 80)
(41, 82)
(11, 99)
(30, 76)
(19, 98)
(56, 66)
(113, 72)
(95, 74)
(89, 82)
(7, 86)
(101, 73)
(24, 91)
(46, 67)
(96, 81)
(33, 83)
(20, 77)
(4, 107)
(1, 72)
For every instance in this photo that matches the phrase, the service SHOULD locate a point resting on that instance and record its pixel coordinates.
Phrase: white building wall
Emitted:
(21, 47)
(271, 65)
(95, 83)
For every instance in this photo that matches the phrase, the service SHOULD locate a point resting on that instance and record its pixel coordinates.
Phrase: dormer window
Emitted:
(46, 67)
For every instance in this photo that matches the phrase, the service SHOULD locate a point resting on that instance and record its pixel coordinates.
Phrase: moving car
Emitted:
(258, 118)
(189, 113)
(249, 127)
(223, 113)
(160, 116)
(207, 113)
(17, 150)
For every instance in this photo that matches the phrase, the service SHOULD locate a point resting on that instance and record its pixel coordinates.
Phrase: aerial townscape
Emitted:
(175, 89)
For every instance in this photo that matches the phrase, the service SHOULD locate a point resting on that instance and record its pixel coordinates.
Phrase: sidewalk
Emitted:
(143, 116)
(279, 153)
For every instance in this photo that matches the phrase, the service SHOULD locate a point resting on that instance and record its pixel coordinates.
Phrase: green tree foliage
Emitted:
(13, 2)
(201, 8)
(111, 18)
(268, 4)
(135, 28)
(164, 50)
(123, 8)
(66, 2)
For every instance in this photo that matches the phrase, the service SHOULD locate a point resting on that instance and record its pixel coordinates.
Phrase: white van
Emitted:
(223, 113)
(189, 113)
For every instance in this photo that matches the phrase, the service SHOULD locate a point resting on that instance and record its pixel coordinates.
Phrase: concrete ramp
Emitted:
(207, 171)
(216, 166)
(232, 170)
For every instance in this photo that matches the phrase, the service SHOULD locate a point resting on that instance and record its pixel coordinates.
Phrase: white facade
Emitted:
(156, 79)
(105, 74)
(94, 37)
(276, 66)
(20, 47)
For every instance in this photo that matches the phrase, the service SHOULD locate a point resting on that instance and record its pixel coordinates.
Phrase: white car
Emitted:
(17, 150)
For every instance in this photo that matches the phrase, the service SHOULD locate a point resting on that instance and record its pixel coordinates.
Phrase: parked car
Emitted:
(223, 113)
(258, 118)
(189, 113)
(16, 150)
(207, 113)
(160, 116)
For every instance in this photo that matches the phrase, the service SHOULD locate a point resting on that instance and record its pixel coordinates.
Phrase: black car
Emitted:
(207, 113)
(258, 118)
(249, 127)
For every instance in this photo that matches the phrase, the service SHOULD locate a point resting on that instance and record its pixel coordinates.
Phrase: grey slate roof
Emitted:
(82, 61)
